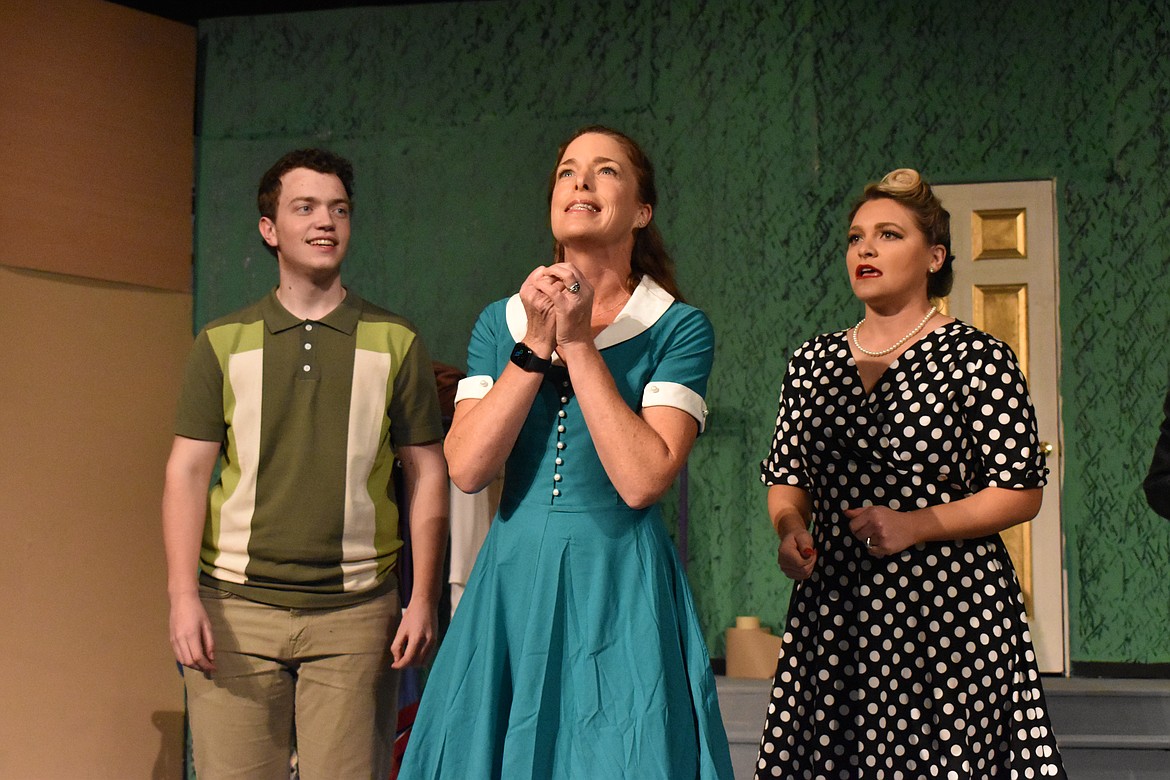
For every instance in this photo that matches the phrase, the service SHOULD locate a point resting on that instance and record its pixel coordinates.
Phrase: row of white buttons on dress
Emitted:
(562, 414)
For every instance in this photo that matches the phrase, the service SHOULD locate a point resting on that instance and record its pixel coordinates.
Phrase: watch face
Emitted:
(523, 356)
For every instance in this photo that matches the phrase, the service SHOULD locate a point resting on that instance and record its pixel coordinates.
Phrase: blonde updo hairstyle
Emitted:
(905, 186)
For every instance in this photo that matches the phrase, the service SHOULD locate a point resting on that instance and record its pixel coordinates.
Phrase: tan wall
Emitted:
(88, 683)
(95, 177)
(96, 132)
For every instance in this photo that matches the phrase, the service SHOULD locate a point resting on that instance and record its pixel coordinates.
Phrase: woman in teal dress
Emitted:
(576, 651)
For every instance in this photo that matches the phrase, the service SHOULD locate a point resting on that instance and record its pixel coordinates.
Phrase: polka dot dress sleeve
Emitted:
(1001, 420)
(785, 464)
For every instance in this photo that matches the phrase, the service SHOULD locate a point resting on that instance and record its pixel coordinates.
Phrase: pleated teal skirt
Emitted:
(575, 653)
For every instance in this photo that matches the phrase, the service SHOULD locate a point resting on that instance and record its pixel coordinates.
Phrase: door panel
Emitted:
(1004, 239)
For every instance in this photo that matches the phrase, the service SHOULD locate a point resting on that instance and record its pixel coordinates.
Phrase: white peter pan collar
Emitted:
(645, 307)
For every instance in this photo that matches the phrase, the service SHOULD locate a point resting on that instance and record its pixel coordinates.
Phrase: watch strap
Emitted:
(525, 358)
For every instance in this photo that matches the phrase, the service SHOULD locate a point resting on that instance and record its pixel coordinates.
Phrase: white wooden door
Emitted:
(1003, 236)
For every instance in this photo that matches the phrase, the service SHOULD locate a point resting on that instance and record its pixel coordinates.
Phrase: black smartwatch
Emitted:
(528, 360)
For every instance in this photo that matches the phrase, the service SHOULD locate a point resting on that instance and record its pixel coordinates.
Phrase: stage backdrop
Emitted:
(764, 118)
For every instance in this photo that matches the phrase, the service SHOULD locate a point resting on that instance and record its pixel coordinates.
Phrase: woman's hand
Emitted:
(991, 510)
(572, 298)
(882, 530)
(536, 295)
(790, 509)
(796, 555)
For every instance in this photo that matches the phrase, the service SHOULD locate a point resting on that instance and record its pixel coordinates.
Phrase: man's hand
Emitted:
(191, 637)
(415, 640)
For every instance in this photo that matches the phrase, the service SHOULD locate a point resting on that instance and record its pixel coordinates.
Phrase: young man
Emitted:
(284, 601)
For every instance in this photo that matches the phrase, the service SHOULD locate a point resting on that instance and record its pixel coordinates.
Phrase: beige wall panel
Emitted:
(97, 148)
(90, 375)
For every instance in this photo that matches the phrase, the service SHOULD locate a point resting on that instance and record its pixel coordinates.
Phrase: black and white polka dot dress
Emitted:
(915, 665)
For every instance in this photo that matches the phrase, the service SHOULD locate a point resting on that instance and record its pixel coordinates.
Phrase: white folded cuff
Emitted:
(473, 387)
(678, 396)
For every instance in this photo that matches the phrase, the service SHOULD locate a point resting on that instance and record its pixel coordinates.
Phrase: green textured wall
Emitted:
(764, 119)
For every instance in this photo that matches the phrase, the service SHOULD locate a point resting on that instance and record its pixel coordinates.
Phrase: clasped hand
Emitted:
(558, 301)
(881, 530)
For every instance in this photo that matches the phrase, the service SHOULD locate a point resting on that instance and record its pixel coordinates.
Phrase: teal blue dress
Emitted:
(576, 650)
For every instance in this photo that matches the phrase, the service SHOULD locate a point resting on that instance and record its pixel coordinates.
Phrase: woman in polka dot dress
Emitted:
(909, 441)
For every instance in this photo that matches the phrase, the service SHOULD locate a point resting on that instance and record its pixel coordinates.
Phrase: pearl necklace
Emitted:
(899, 342)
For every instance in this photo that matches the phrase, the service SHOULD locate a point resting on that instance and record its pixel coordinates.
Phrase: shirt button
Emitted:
(307, 369)
(560, 461)
(653, 388)
(556, 492)
(560, 428)
(565, 383)
(564, 399)
(556, 477)
(483, 383)
(308, 326)
(562, 414)
(560, 445)
(308, 346)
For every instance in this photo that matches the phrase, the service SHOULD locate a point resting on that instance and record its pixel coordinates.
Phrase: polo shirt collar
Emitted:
(344, 318)
(644, 308)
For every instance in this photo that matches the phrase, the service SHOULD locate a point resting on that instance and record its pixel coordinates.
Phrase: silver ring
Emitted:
(574, 288)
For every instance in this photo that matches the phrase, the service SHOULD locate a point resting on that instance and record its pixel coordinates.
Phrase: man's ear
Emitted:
(268, 231)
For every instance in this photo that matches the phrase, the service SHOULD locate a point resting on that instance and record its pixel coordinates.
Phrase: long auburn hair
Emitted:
(649, 256)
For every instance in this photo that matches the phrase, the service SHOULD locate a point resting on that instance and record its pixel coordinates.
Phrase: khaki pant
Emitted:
(321, 673)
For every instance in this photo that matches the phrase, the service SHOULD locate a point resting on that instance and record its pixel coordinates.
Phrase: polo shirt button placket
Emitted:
(308, 367)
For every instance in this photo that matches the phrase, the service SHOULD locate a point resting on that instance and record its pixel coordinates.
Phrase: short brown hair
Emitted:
(319, 160)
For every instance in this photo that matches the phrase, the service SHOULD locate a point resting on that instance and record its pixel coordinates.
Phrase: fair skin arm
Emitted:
(185, 504)
(989, 511)
(424, 474)
(184, 510)
(791, 510)
(484, 430)
(642, 454)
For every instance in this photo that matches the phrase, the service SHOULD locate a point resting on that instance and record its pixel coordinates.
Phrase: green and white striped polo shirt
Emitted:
(303, 513)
